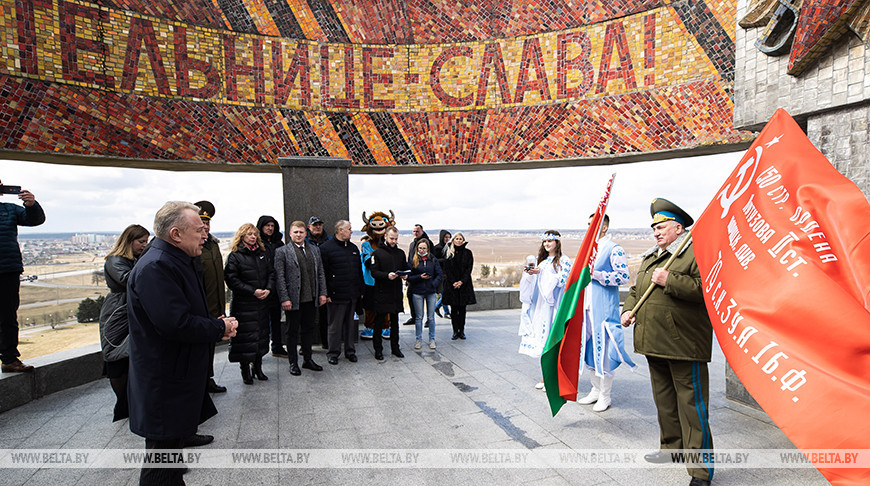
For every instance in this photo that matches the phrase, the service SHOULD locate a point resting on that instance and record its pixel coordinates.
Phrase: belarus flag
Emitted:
(560, 363)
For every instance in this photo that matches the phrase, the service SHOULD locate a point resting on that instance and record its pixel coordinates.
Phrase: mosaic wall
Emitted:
(381, 82)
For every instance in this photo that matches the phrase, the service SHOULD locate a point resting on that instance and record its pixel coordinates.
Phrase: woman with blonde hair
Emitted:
(541, 291)
(114, 329)
(250, 275)
(458, 289)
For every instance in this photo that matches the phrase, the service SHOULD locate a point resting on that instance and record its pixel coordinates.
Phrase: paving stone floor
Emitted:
(467, 395)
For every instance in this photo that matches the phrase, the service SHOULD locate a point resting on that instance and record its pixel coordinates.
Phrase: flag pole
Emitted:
(652, 285)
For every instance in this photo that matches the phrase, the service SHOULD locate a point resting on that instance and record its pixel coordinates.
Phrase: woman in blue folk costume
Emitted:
(603, 350)
(541, 291)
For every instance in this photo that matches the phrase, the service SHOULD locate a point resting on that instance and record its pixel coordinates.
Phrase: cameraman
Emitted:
(11, 217)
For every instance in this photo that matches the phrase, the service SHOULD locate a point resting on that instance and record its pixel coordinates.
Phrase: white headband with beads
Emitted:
(549, 237)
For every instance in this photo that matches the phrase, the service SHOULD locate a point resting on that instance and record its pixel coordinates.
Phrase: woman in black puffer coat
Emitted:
(458, 289)
(250, 275)
(114, 328)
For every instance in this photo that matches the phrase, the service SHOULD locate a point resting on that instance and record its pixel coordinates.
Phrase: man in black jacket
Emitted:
(12, 216)
(270, 232)
(317, 237)
(384, 263)
(344, 287)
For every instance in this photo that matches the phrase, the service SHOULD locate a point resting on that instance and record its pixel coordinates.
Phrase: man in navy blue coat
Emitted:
(170, 332)
(11, 217)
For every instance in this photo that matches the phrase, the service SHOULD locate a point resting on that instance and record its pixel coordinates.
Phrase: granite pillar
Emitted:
(315, 186)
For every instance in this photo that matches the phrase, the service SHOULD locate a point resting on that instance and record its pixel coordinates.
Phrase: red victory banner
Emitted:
(784, 250)
(560, 362)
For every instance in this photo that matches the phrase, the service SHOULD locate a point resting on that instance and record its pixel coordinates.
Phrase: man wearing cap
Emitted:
(316, 236)
(674, 332)
(210, 266)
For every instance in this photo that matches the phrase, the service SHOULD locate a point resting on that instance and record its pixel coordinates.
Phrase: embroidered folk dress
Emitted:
(603, 348)
(540, 295)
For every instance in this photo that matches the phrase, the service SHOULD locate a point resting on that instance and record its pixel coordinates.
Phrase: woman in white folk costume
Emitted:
(603, 348)
(541, 291)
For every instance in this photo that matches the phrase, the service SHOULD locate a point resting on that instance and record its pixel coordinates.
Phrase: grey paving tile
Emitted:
(471, 394)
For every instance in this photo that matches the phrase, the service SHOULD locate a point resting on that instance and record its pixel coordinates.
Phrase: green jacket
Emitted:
(213, 277)
(673, 322)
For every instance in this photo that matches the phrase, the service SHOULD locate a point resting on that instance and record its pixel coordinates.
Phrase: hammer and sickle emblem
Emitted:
(725, 198)
(778, 35)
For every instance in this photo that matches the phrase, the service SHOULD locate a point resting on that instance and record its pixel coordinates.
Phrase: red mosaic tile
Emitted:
(388, 82)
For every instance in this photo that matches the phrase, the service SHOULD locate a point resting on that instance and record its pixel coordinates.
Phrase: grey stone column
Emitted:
(315, 186)
(843, 136)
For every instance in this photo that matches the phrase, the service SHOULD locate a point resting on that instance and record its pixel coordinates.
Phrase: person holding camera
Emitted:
(11, 267)
(423, 282)
(541, 289)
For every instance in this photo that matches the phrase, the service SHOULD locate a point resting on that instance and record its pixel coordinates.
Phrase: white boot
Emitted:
(592, 397)
(603, 402)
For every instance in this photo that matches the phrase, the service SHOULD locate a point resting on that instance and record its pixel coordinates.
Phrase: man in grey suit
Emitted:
(301, 286)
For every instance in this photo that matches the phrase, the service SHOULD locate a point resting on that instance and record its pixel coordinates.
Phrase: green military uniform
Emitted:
(211, 264)
(673, 331)
(213, 277)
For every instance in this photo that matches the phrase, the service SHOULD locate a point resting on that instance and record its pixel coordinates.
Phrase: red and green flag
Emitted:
(560, 363)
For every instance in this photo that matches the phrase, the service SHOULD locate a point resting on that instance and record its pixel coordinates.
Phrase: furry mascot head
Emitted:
(376, 225)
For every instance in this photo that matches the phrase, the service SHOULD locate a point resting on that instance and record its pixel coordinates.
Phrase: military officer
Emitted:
(674, 332)
(210, 266)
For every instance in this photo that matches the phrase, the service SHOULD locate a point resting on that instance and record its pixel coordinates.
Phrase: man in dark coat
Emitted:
(317, 237)
(11, 217)
(419, 234)
(384, 264)
(673, 331)
(301, 287)
(270, 233)
(170, 333)
(210, 266)
(344, 288)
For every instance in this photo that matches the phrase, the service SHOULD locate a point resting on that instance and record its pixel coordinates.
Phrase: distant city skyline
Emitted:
(107, 199)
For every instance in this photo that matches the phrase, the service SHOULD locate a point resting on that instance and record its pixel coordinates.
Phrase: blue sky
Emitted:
(87, 199)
